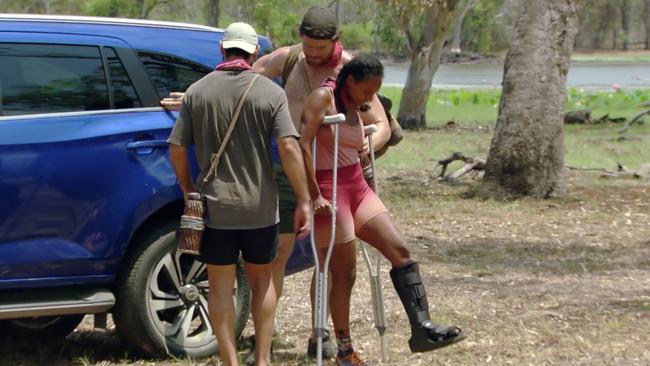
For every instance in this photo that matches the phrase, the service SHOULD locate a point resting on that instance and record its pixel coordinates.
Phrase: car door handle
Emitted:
(146, 147)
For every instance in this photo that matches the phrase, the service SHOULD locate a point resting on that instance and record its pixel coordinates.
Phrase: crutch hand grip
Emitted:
(370, 129)
(335, 119)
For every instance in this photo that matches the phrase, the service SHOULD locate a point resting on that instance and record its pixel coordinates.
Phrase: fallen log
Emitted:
(634, 120)
(580, 117)
(472, 164)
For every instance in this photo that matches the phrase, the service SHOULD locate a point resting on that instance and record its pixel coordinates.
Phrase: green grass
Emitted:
(481, 106)
(468, 106)
(588, 146)
(626, 57)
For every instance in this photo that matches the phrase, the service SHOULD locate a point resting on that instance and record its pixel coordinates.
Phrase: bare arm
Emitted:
(312, 119)
(271, 65)
(181, 163)
(377, 115)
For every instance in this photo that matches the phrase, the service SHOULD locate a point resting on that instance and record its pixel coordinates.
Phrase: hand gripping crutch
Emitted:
(375, 281)
(320, 319)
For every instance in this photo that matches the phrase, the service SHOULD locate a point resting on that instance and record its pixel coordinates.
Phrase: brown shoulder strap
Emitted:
(231, 127)
(292, 59)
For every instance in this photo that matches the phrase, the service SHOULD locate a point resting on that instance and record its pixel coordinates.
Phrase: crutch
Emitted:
(375, 281)
(320, 319)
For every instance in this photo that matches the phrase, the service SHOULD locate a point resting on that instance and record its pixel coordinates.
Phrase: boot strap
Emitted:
(410, 279)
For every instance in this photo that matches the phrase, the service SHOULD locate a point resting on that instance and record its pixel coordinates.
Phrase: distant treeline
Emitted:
(483, 26)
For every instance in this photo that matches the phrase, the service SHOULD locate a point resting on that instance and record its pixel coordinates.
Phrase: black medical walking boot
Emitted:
(425, 335)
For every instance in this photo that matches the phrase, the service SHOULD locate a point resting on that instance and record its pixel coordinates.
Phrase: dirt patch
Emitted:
(564, 281)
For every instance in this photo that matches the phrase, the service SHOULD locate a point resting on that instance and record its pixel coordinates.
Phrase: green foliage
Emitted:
(483, 28)
(356, 36)
(604, 100)
(280, 26)
(387, 30)
(279, 19)
(109, 8)
(482, 106)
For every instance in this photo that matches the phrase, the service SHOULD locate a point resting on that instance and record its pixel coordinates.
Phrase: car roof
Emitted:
(198, 43)
(106, 20)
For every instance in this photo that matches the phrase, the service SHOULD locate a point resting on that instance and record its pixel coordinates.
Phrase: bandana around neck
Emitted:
(330, 83)
(335, 58)
(237, 64)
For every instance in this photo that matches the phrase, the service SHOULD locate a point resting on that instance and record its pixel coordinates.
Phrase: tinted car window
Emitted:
(124, 95)
(42, 78)
(171, 73)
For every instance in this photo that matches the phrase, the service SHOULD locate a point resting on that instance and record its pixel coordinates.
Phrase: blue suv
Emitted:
(89, 203)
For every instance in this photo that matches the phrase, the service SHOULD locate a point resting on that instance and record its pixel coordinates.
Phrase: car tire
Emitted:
(47, 327)
(161, 305)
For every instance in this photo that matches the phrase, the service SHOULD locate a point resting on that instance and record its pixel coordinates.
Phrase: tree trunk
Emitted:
(338, 13)
(647, 24)
(625, 23)
(46, 6)
(144, 10)
(457, 29)
(425, 58)
(527, 151)
(213, 13)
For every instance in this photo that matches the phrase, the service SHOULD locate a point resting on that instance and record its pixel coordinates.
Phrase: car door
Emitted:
(83, 157)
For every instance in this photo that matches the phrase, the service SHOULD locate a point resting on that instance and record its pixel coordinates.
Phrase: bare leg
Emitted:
(280, 262)
(221, 280)
(382, 233)
(342, 274)
(278, 266)
(264, 304)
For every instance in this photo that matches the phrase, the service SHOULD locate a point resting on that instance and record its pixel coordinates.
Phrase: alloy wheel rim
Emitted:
(177, 300)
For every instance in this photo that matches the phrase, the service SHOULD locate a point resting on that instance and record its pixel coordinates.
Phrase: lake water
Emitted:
(599, 76)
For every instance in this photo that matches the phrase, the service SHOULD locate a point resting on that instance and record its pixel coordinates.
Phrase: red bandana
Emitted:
(335, 58)
(237, 64)
(330, 83)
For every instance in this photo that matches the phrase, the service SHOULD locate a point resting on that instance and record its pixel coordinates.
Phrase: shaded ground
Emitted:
(534, 282)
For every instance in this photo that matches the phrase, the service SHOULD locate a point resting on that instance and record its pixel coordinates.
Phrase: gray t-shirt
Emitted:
(243, 195)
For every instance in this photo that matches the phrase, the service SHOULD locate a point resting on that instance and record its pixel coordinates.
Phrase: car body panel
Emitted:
(76, 186)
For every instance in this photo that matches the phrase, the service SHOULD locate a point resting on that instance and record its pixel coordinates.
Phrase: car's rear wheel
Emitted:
(162, 305)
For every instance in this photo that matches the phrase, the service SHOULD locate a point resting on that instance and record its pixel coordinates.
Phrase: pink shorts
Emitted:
(356, 204)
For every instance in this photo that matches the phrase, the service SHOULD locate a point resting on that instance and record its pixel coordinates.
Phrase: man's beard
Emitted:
(319, 62)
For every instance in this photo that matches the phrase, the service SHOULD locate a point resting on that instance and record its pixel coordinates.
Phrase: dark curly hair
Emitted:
(361, 67)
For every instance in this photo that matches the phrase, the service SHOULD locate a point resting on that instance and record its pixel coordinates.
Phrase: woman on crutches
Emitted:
(360, 212)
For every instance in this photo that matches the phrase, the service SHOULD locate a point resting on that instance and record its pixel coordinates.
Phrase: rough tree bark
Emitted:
(424, 50)
(527, 151)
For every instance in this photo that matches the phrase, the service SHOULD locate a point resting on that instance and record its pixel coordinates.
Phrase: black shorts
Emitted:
(222, 247)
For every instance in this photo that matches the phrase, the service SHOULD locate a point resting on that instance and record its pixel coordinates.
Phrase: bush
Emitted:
(356, 36)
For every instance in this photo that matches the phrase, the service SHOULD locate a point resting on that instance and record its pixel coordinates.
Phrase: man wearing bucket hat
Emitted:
(241, 198)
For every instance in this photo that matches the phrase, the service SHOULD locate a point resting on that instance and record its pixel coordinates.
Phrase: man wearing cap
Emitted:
(241, 198)
(319, 56)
